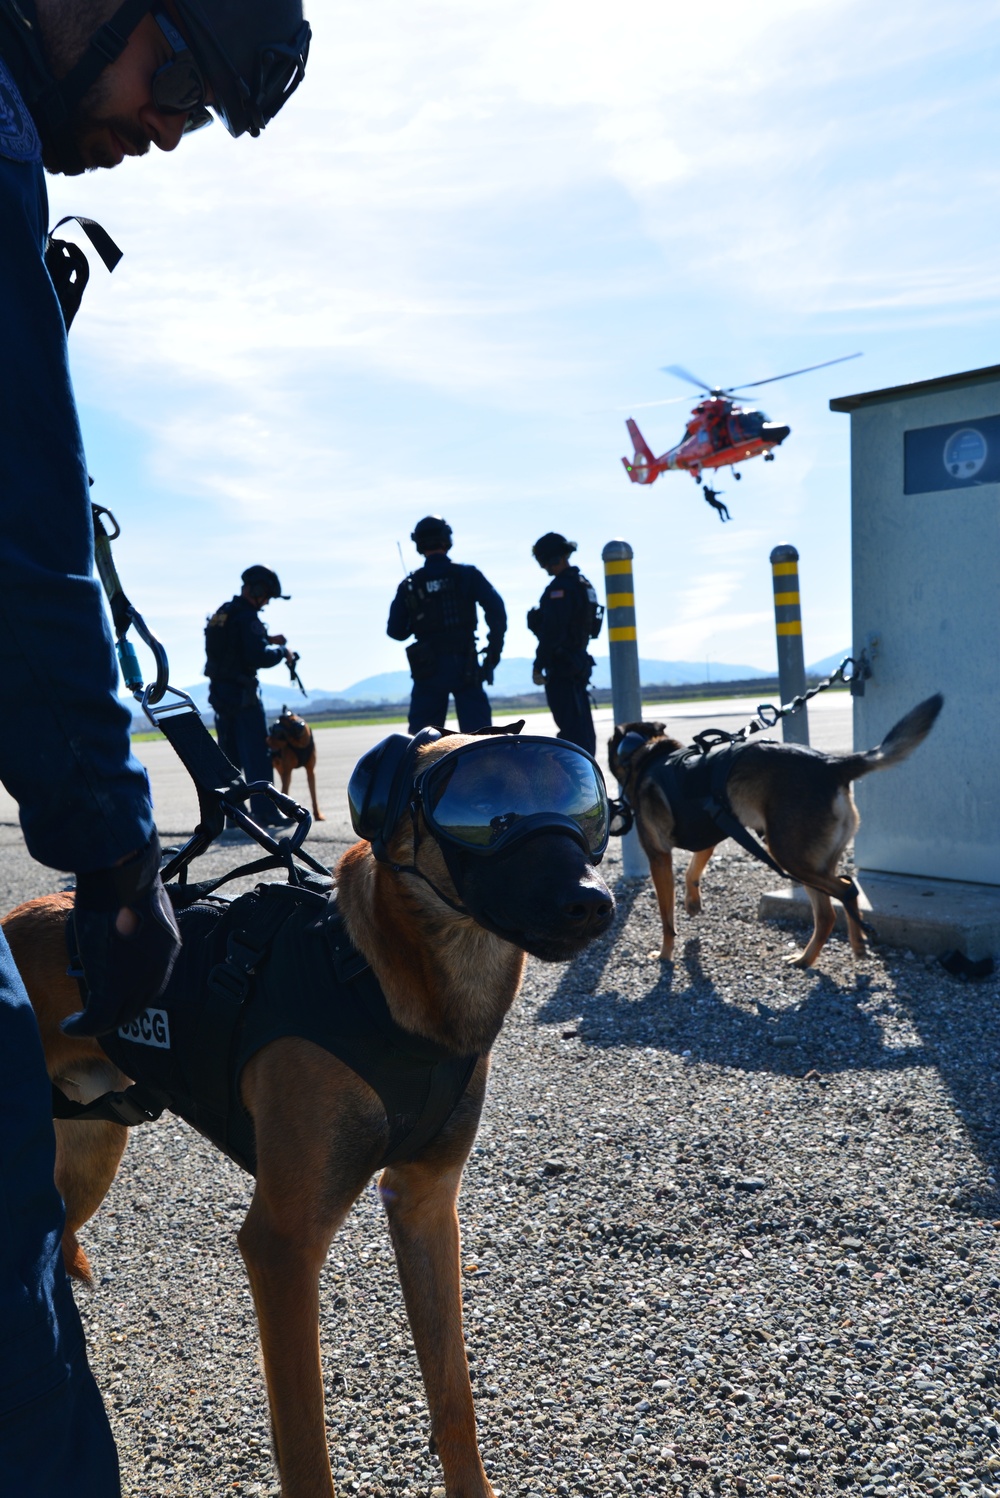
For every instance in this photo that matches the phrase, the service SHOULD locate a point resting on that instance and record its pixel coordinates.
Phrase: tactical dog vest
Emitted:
(276, 963)
(694, 785)
(302, 752)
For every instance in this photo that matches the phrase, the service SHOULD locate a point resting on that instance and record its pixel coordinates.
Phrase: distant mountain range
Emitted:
(512, 679)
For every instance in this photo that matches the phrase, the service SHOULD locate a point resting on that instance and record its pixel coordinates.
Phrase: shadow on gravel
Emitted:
(685, 1012)
(606, 1000)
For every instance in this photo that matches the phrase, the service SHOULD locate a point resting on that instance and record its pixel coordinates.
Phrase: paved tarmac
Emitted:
(339, 749)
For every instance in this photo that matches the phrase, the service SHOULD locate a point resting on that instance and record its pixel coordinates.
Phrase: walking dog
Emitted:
(797, 798)
(475, 851)
(293, 747)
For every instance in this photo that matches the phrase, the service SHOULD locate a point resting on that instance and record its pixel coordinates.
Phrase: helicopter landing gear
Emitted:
(712, 498)
(769, 457)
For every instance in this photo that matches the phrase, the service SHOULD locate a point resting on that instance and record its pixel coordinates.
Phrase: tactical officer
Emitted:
(568, 616)
(237, 646)
(437, 603)
(74, 100)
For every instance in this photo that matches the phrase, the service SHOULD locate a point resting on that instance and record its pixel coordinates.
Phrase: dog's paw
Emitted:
(319, 817)
(692, 900)
(798, 959)
(665, 954)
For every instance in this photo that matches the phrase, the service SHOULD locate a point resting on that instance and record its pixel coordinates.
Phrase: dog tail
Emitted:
(898, 744)
(76, 1261)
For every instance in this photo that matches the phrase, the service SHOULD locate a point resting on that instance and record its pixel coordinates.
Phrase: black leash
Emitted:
(222, 790)
(767, 716)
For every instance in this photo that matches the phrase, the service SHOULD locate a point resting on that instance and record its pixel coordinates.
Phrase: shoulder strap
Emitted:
(68, 267)
(253, 922)
(716, 803)
(136, 1105)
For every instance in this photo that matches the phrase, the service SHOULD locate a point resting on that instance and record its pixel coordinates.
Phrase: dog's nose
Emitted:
(591, 908)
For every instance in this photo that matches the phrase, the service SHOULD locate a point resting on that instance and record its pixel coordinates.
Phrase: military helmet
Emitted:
(252, 52)
(550, 546)
(433, 533)
(261, 580)
(244, 56)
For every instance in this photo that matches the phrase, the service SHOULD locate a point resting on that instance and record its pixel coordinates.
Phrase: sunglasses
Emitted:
(486, 795)
(178, 86)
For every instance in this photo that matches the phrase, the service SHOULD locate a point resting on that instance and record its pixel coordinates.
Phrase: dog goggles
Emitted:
(483, 796)
(178, 86)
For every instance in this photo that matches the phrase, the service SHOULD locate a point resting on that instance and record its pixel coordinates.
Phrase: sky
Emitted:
(458, 259)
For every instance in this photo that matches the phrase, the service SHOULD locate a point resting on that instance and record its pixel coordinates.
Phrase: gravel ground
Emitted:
(728, 1228)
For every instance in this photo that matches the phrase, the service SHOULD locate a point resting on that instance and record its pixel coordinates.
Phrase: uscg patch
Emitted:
(151, 1027)
(18, 136)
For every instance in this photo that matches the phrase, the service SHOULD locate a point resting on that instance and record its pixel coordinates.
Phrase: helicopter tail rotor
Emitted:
(642, 469)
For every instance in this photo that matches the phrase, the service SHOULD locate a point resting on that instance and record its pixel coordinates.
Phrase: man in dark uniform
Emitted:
(437, 603)
(568, 616)
(74, 100)
(237, 646)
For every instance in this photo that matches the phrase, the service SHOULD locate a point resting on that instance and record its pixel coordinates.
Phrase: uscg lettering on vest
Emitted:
(18, 136)
(151, 1027)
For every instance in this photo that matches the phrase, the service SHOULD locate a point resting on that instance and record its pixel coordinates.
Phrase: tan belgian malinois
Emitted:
(494, 858)
(798, 799)
(293, 747)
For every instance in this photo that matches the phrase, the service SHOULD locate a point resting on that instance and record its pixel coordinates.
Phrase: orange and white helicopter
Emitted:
(720, 433)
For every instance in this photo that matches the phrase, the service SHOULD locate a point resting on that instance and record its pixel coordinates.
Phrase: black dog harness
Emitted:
(694, 780)
(277, 962)
(302, 752)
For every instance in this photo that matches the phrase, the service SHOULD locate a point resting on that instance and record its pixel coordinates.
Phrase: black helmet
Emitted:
(249, 55)
(252, 52)
(550, 546)
(433, 533)
(263, 580)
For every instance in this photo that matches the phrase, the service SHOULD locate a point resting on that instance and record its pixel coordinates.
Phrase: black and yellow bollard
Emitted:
(626, 694)
(788, 627)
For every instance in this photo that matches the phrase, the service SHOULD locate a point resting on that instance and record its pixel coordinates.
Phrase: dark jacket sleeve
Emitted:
(494, 612)
(400, 625)
(83, 798)
(257, 653)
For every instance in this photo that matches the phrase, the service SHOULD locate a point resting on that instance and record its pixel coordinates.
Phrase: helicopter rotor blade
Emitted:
(751, 384)
(685, 374)
(672, 400)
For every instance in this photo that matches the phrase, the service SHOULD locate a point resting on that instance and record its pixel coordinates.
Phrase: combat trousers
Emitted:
(54, 1433)
(429, 699)
(569, 704)
(243, 740)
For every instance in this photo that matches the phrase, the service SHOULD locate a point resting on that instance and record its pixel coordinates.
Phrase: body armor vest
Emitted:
(278, 962)
(442, 605)
(223, 649)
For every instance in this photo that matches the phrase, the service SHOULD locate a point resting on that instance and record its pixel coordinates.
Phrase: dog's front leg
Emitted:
(420, 1202)
(284, 1254)
(311, 777)
(661, 868)
(303, 1104)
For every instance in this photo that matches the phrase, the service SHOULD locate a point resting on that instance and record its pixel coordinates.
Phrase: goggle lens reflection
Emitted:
(177, 86)
(480, 793)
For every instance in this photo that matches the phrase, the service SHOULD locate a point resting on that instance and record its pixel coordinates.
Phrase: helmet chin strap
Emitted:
(411, 868)
(54, 102)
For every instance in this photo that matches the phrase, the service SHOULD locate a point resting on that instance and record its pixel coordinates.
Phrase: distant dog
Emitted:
(336, 1036)
(293, 747)
(798, 799)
